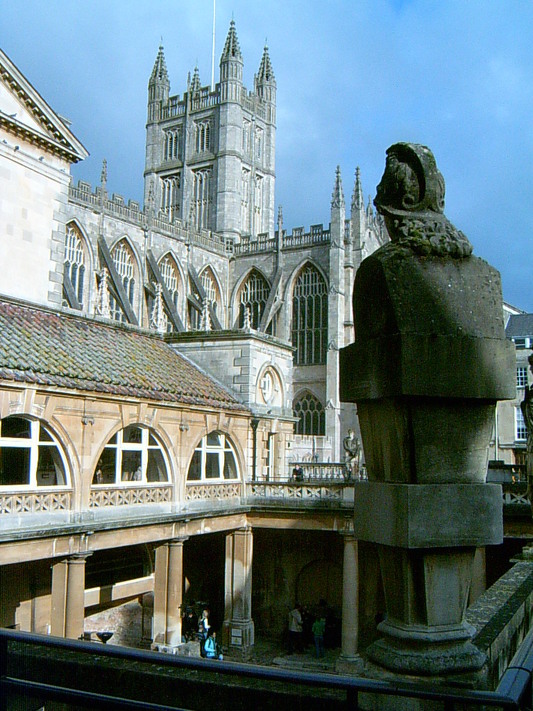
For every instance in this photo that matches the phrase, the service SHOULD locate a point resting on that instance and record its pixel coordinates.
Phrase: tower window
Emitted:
(203, 136)
(170, 196)
(202, 181)
(172, 144)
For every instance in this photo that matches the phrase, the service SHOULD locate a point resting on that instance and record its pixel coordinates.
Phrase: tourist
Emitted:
(295, 630)
(203, 629)
(319, 626)
(189, 625)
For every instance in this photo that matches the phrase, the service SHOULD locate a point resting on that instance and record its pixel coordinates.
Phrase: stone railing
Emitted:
(210, 492)
(83, 195)
(323, 471)
(299, 238)
(502, 618)
(102, 496)
(299, 491)
(263, 243)
(515, 494)
(36, 502)
(316, 235)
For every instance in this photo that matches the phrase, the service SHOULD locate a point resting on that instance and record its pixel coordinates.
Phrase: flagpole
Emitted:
(213, 51)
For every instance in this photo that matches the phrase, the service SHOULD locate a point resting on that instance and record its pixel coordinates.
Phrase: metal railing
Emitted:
(513, 691)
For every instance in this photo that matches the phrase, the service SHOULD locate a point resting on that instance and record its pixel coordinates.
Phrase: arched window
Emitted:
(310, 317)
(213, 460)
(74, 264)
(172, 143)
(258, 205)
(169, 272)
(124, 264)
(202, 182)
(311, 416)
(253, 298)
(245, 201)
(30, 455)
(131, 457)
(171, 196)
(203, 130)
(210, 287)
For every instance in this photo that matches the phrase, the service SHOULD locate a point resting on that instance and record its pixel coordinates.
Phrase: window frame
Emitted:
(205, 451)
(117, 444)
(33, 443)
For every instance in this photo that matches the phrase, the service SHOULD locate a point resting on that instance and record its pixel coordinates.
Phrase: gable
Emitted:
(24, 113)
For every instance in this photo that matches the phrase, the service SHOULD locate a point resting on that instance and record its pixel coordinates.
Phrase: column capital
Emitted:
(176, 541)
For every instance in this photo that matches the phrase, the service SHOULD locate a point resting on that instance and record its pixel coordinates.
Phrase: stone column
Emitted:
(168, 592)
(350, 597)
(68, 596)
(350, 661)
(238, 623)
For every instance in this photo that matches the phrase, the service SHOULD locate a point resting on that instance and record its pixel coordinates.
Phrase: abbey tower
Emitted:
(210, 153)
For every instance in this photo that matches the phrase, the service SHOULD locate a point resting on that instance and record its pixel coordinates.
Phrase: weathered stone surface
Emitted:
(413, 516)
(429, 362)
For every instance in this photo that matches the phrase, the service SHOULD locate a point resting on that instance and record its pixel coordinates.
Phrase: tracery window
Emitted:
(132, 456)
(202, 182)
(209, 284)
(245, 201)
(311, 416)
(74, 264)
(213, 459)
(258, 143)
(246, 128)
(30, 455)
(171, 196)
(172, 143)
(124, 264)
(203, 136)
(310, 317)
(258, 204)
(253, 297)
(169, 272)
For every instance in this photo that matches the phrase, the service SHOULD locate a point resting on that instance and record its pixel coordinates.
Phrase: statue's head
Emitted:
(410, 197)
(411, 182)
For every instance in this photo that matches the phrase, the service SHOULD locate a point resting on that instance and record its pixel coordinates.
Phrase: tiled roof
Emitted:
(519, 326)
(49, 348)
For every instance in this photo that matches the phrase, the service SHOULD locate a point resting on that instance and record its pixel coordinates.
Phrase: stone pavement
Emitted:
(271, 653)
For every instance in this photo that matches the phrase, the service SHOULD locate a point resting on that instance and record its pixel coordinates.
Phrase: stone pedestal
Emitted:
(68, 596)
(238, 629)
(168, 592)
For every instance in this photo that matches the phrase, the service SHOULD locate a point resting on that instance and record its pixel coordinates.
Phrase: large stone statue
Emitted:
(527, 410)
(429, 362)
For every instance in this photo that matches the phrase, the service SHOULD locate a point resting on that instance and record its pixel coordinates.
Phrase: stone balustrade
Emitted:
(82, 194)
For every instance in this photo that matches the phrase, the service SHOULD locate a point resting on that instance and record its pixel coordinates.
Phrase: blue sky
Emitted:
(353, 77)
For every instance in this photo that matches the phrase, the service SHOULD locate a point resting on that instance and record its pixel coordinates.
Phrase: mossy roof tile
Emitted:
(68, 351)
